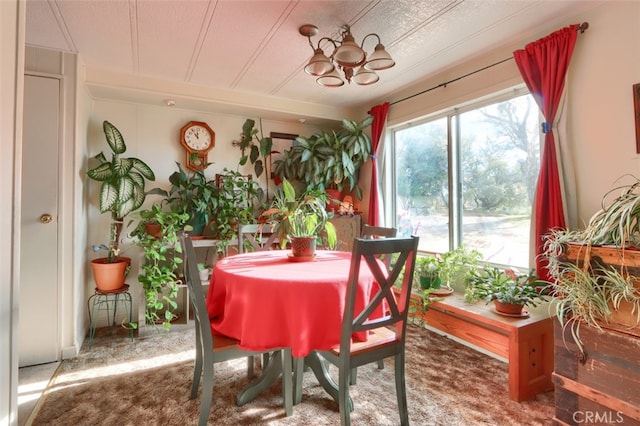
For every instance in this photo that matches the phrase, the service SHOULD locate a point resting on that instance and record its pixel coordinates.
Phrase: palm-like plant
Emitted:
(123, 184)
(328, 159)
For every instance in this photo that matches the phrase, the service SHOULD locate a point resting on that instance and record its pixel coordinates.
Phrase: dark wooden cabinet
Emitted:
(604, 387)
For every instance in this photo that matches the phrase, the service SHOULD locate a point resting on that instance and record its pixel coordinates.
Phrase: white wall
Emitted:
(151, 133)
(604, 67)
(12, 22)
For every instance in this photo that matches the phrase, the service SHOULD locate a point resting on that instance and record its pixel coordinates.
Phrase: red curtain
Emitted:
(543, 65)
(379, 113)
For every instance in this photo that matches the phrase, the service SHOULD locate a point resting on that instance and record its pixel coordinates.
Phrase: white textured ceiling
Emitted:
(229, 49)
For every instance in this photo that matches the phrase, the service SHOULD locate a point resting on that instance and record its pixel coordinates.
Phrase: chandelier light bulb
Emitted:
(365, 77)
(379, 59)
(319, 64)
(332, 79)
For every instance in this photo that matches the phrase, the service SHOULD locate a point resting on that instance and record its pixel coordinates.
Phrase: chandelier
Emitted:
(346, 56)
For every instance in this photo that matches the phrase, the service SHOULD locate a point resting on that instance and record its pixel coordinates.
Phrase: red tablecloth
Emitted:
(265, 300)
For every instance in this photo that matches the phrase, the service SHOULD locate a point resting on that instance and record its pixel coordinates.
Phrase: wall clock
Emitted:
(197, 138)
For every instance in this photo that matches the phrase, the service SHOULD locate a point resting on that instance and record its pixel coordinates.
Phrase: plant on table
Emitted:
(122, 190)
(301, 217)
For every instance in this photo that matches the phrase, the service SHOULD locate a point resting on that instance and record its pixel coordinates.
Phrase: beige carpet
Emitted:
(147, 382)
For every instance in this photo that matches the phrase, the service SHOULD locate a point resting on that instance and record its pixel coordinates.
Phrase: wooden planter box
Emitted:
(622, 319)
(603, 390)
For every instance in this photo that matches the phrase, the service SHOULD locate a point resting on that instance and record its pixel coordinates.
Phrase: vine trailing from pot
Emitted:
(122, 191)
(162, 260)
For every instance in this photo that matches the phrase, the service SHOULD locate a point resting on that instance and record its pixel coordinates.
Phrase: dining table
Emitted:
(268, 299)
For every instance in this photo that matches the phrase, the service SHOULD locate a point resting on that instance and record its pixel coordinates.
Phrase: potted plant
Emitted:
(595, 270)
(301, 220)
(122, 191)
(161, 262)
(427, 272)
(510, 291)
(329, 159)
(192, 193)
(204, 271)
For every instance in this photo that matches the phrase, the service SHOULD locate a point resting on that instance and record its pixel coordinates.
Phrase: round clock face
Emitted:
(197, 138)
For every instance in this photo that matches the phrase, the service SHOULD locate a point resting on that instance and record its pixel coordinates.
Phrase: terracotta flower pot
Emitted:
(508, 308)
(153, 229)
(333, 196)
(110, 276)
(303, 247)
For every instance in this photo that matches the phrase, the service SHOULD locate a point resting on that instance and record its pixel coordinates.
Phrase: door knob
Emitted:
(46, 218)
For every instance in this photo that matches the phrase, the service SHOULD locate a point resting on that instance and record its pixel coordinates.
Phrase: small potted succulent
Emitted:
(510, 291)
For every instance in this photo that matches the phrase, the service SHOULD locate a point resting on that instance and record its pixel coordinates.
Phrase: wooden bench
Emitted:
(527, 343)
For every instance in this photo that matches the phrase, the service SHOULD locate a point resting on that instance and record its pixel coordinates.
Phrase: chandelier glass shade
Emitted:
(346, 57)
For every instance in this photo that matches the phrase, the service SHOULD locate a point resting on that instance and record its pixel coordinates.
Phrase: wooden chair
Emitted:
(371, 232)
(257, 237)
(375, 232)
(216, 348)
(387, 334)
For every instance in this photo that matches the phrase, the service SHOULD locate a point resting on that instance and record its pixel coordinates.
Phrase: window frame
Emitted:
(453, 158)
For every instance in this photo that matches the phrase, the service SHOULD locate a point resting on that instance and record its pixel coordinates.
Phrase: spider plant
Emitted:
(587, 289)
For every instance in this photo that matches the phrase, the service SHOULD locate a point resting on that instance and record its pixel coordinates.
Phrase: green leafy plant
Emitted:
(300, 216)
(238, 201)
(122, 188)
(192, 193)
(255, 149)
(588, 287)
(505, 286)
(161, 263)
(427, 272)
(328, 159)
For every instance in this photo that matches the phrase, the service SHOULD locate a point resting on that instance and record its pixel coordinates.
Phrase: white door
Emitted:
(39, 318)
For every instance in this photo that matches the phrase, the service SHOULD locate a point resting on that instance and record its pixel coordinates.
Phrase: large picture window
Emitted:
(468, 177)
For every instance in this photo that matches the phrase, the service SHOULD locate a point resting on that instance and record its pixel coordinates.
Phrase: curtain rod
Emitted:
(582, 28)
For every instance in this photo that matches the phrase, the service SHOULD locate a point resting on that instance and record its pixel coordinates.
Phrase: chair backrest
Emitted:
(257, 237)
(375, 232)
(196, 293)
(366, 253)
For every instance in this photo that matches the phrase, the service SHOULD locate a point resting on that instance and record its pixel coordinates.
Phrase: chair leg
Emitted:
(343, 396)
(250, 363)
(380, 364)
(207, 393)
(401, 391)
(354, 376)
(197, 368)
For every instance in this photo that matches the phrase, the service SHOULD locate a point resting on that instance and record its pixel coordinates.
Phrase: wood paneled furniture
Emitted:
(527, 343)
